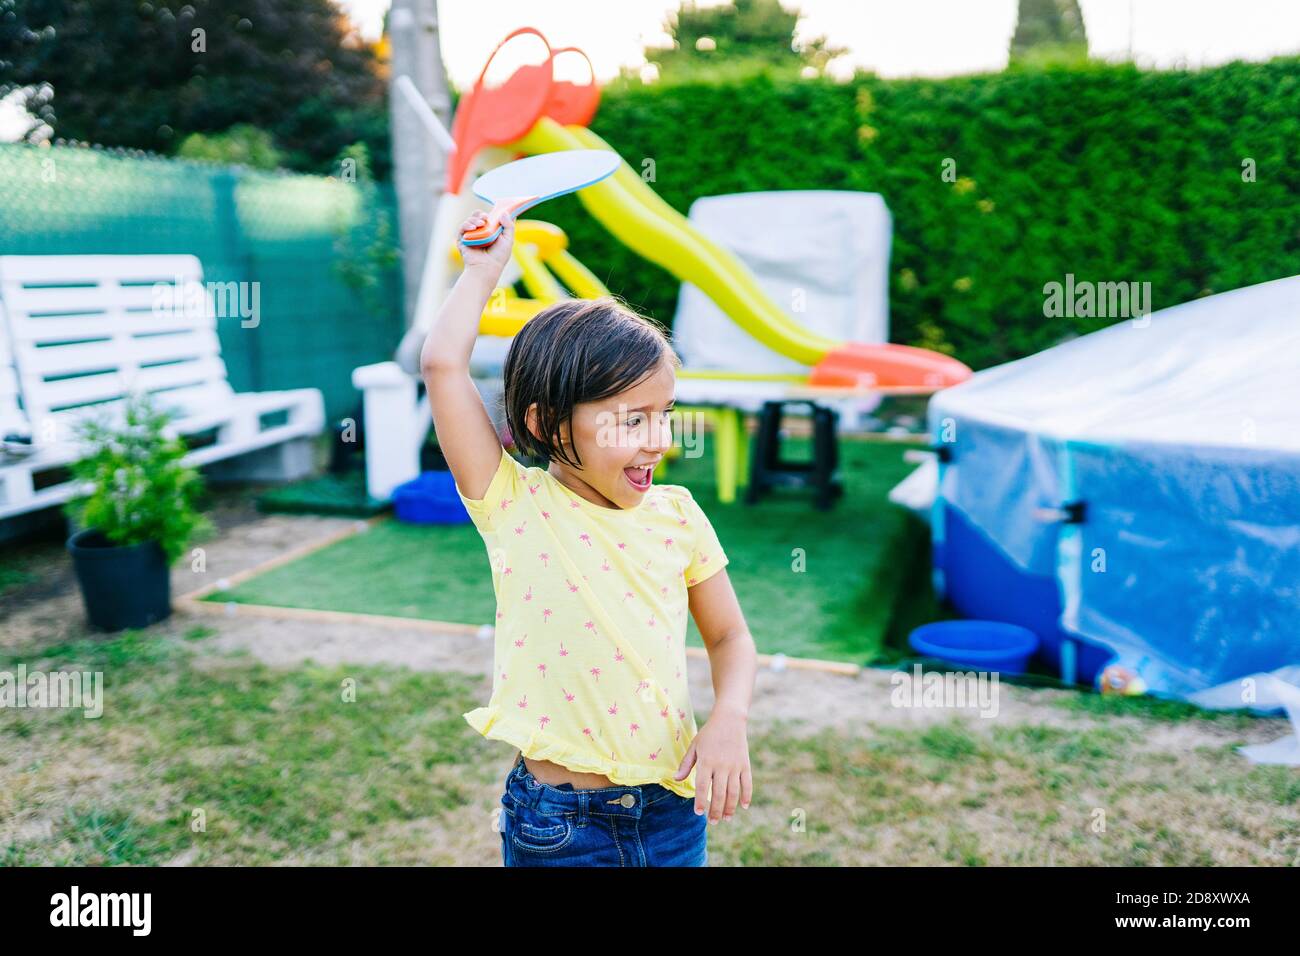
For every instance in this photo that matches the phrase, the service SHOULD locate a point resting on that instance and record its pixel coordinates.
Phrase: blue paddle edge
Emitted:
(488, 240)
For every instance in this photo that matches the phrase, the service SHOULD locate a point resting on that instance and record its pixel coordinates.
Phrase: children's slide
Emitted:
(636, 216)
(534, 111)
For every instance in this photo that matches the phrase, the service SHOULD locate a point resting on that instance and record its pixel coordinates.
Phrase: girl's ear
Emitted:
(530, 421)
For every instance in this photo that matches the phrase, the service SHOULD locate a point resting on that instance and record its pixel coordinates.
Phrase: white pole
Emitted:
(426, 114)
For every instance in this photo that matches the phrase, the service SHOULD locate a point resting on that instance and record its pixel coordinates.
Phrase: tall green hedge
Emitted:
(1106, 172)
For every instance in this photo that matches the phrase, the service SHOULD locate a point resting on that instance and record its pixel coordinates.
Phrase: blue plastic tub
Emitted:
(979, 645)
(429, 499)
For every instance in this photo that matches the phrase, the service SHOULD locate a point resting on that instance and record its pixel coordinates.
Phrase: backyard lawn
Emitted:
(234, 740)
(204, 758)
(859, 566)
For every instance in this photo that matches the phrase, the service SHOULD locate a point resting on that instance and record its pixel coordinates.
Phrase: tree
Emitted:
(745, 32)
(1049, 31)
(147, 74)
(243, 144)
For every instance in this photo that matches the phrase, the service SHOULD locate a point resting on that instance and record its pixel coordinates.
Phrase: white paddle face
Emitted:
(518, 186)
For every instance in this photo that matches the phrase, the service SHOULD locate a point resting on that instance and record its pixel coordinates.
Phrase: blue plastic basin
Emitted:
(980, 645)
(429, 499)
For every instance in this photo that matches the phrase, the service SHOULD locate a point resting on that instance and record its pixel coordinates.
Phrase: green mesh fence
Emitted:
(293, 235)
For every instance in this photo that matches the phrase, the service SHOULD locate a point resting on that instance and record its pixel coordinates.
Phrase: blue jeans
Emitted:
(647, 825)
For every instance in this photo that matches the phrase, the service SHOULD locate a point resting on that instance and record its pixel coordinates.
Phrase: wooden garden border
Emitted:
(193, 603)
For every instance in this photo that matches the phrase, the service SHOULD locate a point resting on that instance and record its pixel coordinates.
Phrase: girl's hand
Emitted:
(720, 752)
(489, 260)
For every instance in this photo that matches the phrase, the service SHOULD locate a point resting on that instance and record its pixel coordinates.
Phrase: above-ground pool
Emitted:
(1133, 495)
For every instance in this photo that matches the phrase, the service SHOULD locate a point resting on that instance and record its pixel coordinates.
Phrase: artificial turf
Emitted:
(811, 583)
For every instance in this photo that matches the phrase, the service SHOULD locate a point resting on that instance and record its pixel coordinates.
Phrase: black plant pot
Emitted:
(122, 586)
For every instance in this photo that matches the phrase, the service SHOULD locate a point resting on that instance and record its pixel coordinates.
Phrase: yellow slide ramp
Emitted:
(636, 216)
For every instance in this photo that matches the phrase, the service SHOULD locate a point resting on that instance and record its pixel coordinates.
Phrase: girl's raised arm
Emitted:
(466, 434)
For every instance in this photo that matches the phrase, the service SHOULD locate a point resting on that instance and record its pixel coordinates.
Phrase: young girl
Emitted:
(594, 568)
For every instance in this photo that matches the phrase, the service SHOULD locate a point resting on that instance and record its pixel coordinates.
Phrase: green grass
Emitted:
(13, 575)
(329, 493)
(220, 760)
(864, 562)
(235, 760)
(1018, 794)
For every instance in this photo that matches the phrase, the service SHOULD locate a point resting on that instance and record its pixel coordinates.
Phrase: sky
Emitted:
(891, 37)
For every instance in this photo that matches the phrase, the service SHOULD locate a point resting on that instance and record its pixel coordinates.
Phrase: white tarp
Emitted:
(823, 257)
(1180, 434)
(823, 251)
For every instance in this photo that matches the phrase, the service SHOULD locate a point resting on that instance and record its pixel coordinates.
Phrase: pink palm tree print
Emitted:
(563, 651)
(584, 537)
(654, 754)
(595, 673)
(519, 641)
(572, 587)
(613, 709)
(505, 503)
(634, 726)
(545, 558)
(532, 489)
(520, 528)
(542, 667)
(604, 565)
(586, 732)
(567, 695)
(528, 595)
(618, 655)
(546, 514)
(622, 546)
(543, 721)
(591, 626)
(523, 701)
(546, 615)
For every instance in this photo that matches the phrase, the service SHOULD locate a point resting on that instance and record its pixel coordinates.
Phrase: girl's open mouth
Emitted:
(638, 478)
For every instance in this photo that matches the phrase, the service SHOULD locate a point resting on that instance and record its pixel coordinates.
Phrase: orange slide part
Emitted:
(858, 365)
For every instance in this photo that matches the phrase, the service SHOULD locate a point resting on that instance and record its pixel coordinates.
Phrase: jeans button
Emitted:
(627, 800)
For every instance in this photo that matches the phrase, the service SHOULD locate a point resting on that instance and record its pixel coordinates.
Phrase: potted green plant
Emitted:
(136, 513)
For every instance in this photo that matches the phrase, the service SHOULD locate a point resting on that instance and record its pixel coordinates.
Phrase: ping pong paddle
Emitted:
(518, 186)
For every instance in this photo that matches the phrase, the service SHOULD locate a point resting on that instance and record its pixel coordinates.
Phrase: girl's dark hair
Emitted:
(575, 351)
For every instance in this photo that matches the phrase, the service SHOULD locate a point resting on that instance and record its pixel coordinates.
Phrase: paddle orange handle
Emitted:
(504, 208)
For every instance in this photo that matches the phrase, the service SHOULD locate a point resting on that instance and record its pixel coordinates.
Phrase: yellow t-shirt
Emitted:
(590, 654)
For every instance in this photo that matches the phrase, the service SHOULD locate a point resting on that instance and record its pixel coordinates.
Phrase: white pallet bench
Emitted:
(78, 333)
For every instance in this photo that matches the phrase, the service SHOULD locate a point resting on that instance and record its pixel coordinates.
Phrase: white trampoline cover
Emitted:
(1180, 434)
